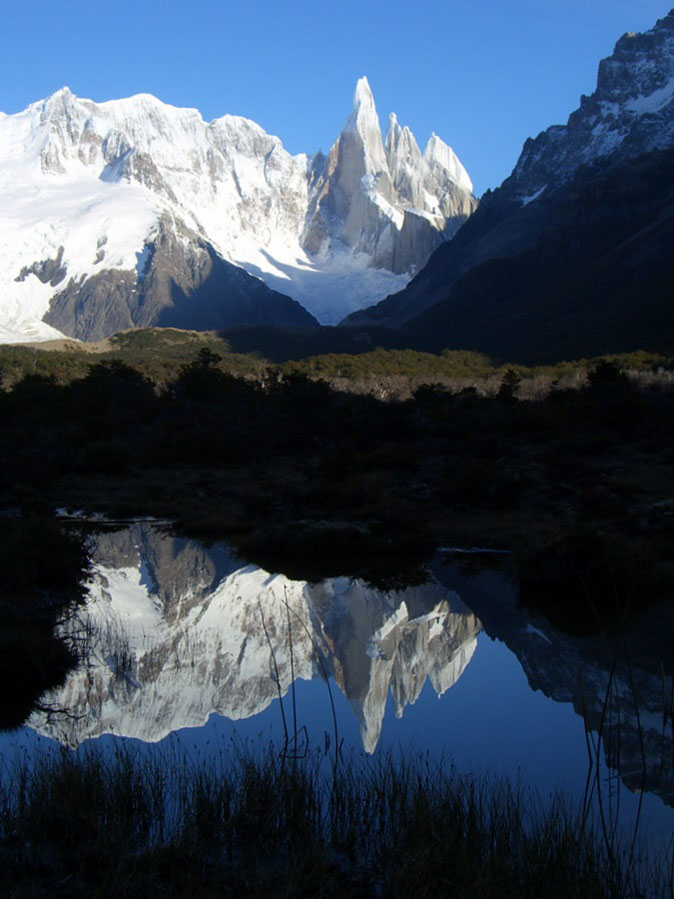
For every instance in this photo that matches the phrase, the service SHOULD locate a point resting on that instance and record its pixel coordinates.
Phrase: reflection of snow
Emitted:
(530, 629)
(175, 634)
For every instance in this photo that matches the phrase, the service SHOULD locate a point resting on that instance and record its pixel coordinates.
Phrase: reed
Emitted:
(254, 822)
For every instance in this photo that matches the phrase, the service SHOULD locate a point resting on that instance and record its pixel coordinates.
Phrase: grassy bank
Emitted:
(267, 825)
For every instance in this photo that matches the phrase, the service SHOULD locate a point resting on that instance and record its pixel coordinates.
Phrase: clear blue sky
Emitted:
(483, 74)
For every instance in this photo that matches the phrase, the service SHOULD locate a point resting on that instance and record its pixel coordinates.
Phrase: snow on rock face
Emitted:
(364, 124)
(385, 201)
(179, 631)
(631, 112)
(444, 162)
(96, 179)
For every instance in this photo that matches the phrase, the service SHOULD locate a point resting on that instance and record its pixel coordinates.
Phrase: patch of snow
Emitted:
(654, 102)
(330, 286)
(530, 629)
(534, 196)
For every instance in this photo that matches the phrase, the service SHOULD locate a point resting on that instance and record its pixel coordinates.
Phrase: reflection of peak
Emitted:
(166, 653)
(436, 646)
(177, 572)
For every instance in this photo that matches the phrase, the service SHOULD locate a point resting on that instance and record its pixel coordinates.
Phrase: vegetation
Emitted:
(41, 578)
(261, 824)
(576, 479)
(287, 466)
(158, 353)
(155, 353)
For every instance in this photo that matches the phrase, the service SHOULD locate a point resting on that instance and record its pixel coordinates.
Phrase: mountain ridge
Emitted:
(95, 184)
(478, 293)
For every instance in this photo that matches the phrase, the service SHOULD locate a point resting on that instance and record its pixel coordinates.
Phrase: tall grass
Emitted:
(257, 823)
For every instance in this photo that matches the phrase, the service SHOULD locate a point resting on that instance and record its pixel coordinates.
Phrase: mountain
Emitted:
(572, 254)
(386, 200)
(176, 632)
(135, 213)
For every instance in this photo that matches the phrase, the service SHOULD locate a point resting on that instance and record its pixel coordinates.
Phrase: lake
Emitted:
(187, 649)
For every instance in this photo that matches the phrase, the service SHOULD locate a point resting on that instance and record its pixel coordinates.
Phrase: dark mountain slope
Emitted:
(599, 278)
(572, 255)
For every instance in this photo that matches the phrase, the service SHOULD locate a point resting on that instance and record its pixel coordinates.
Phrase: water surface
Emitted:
(189, 650)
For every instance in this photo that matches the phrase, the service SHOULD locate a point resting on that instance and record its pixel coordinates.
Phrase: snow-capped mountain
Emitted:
(571, 255)
(132, 213)
(176, 632)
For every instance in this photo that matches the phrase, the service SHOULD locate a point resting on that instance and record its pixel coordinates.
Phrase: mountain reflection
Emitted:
(622, 685)
(175, 631)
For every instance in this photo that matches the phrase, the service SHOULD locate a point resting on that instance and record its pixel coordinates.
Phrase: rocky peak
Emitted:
(443, 161)
(408, 171)
(62, 121)
(385, 201)
(401, 148)
(364, 113)
(631, 112)
(61, 104)
(335, 233)
(360, 141)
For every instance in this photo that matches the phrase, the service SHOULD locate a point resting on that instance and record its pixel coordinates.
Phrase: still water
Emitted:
(187, 649)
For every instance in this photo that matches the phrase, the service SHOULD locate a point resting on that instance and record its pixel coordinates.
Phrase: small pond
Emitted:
(187, 649)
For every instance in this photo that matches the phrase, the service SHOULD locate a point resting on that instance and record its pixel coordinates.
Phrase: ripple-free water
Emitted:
(193, 654)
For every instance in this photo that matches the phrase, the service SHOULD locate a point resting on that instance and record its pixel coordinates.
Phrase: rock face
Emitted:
(631, 112)
(180, 282)
(132, 212)
(178, 632)
(387, 201)
(574, 249)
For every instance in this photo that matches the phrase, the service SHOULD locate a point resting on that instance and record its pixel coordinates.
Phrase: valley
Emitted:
(337, 503)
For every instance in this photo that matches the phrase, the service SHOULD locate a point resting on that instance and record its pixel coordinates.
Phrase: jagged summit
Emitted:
(364, 112)
(100, 186)
(363, 123)
(630, 112)
(440, 155)
(572, 255)
(383, 200)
